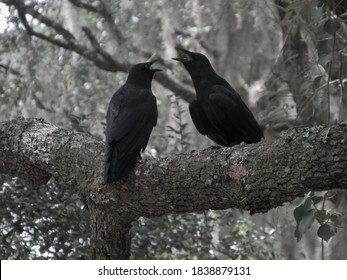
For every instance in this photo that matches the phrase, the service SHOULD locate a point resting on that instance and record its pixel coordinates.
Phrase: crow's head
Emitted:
(146, 67)
(192, 60)
(142, 73)
(187, 57)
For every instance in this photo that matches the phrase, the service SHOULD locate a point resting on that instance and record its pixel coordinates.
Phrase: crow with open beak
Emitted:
(218, 111)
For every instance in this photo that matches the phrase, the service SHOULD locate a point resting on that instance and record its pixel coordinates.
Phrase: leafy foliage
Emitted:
(44, 222)
(313, 208)
(218, 235)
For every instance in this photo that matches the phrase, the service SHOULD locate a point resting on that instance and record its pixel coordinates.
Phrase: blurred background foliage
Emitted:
(286, 58)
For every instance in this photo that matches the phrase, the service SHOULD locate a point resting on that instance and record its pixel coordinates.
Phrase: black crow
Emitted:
(131, 116)
(219, 111)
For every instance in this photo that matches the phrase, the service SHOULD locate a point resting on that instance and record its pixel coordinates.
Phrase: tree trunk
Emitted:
(110, 235)
(255, 177)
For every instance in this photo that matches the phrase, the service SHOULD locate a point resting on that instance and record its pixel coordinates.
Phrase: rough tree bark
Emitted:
(254, 177)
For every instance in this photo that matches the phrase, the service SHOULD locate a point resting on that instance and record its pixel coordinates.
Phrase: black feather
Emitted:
(219, 111)
(131, 116)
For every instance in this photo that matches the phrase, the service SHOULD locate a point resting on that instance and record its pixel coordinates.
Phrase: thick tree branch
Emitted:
(254, 177)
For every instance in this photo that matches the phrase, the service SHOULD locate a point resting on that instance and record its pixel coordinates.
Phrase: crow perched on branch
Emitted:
(131, 116)
(219, 111)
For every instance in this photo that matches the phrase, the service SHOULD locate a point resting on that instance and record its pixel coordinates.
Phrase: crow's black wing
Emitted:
(131, 115)
(199, 118)
(203, 125)
(228, 113)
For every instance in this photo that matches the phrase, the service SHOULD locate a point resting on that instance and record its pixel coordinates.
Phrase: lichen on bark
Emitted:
(255, 177)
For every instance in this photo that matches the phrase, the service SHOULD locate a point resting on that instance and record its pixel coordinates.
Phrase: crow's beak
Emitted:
(185, 55)
(149, 63)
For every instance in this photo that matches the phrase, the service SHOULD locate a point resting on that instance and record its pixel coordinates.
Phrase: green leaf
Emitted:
(337, 219)
(296, 203)
(318, 194)
(330, 194)
(326, 231)
(304, 217)
(300, 211)
(306, 221)
(332, 25)
(316, 199)
(339, 198)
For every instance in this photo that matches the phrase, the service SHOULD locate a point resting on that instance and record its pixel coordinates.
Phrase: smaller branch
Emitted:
(341, 78)
(50, 23)
(42, 36)
(97, 55)
(103, 11)
(107, 15)
(185, 92)
(26, 9)
(40, 105)
(99, 50)
(322, 243)
(85, 6)
(10, 69)
(107, 64)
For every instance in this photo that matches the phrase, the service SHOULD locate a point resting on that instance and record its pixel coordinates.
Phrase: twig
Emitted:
(322, 241)
(85, 6)
(329, 76)
(97, 55)
(99, 50)
(10, 69)
(341, 78)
